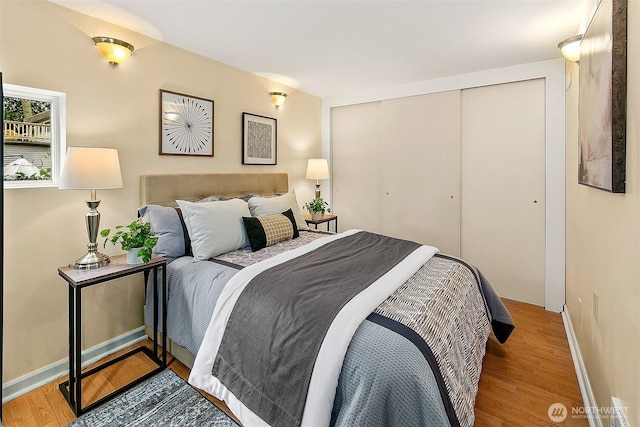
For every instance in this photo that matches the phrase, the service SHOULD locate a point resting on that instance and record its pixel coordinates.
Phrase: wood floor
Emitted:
(519, 380)
(530, 372)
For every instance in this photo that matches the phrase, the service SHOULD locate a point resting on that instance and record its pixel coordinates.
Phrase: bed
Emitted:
(404, 347)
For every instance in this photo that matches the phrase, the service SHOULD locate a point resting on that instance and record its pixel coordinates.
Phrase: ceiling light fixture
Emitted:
(113, 50)
(278, 98)
(570, 48)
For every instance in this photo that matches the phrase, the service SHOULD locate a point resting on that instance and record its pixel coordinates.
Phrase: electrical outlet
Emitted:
(618, 413)
(595, 305)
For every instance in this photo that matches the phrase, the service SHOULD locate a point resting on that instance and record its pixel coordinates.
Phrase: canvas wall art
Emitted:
(259, 140)
(186, 125)
(603, 94)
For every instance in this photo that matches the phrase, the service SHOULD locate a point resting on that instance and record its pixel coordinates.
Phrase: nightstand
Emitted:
(325, 218)
(80, 279)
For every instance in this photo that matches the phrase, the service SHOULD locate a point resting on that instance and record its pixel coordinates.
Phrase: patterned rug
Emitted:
(163, 400)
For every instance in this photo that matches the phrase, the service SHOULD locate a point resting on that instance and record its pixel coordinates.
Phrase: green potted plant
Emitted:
(317, 207)
(136, 238)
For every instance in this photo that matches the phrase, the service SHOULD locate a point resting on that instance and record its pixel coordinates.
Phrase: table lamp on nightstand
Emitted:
(91, 169)
(317, 169)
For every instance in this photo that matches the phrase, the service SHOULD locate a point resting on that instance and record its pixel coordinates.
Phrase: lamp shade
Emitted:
(570, 48)
(113, 50)
(91, 169)
(278, 98)
(317, 169)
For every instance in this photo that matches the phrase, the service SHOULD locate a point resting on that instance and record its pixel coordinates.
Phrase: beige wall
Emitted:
(603, 253)
(45, 46)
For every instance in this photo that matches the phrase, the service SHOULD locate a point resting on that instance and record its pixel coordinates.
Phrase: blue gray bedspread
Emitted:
(386, 377)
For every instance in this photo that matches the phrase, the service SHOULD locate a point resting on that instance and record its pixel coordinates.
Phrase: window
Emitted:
(34, 136)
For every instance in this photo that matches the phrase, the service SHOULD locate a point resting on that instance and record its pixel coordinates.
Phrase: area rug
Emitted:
(163, 400)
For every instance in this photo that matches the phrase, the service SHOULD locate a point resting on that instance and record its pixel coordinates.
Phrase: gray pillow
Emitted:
(168, 226)
(244, 197)
(208, 199)
(215, 227)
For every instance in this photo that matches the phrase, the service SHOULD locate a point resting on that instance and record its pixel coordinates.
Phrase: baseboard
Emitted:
(588, 397)
(26, 383)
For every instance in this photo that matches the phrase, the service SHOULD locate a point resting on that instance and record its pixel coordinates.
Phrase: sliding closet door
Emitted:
(421, 169)
(503, 186)
(355, 164)
(396, 168)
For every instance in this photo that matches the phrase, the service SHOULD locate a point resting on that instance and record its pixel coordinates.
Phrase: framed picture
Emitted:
(602, 104)
(186, 125)
(259, 140)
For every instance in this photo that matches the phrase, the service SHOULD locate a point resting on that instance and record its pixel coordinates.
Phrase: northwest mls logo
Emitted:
(557, 412)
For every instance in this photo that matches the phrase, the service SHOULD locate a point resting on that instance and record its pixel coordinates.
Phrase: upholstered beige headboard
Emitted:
(163, 190)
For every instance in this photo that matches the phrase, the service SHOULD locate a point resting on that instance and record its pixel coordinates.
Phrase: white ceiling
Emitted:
(327, 47)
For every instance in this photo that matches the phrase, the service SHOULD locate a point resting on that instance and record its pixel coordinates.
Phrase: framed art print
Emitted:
(186, 125)
(602, 107)
(259, 140)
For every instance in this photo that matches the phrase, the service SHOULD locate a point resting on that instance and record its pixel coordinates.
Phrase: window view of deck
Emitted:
(27, 139)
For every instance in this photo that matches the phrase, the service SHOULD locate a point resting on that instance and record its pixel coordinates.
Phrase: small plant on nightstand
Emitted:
(136, 238)
(317, 207)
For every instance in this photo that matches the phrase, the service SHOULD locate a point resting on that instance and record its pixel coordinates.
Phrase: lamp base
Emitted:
(91, 260)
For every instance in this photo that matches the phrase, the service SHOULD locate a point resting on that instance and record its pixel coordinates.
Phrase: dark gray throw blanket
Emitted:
(270, 372)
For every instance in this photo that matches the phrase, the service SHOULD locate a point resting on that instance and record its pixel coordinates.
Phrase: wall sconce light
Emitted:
(570, 48)
(113, 50)
(278, 98)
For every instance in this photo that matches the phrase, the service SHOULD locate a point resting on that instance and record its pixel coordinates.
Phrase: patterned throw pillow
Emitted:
(268, 230)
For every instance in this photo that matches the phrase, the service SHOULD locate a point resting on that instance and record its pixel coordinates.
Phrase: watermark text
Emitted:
(558, 412)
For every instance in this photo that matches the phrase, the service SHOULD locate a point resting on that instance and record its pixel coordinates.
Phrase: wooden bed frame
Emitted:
(163, 190)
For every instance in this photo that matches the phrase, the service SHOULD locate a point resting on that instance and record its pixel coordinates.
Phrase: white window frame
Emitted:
(58, 102)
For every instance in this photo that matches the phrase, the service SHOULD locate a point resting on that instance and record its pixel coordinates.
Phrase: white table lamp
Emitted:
(91, 169)
(317, 169)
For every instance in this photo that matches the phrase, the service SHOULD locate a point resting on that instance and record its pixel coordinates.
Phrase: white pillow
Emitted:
(262, 206)
(215, 227)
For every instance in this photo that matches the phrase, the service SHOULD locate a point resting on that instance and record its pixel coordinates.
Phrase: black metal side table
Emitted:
(80, 279)
(325, 218)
